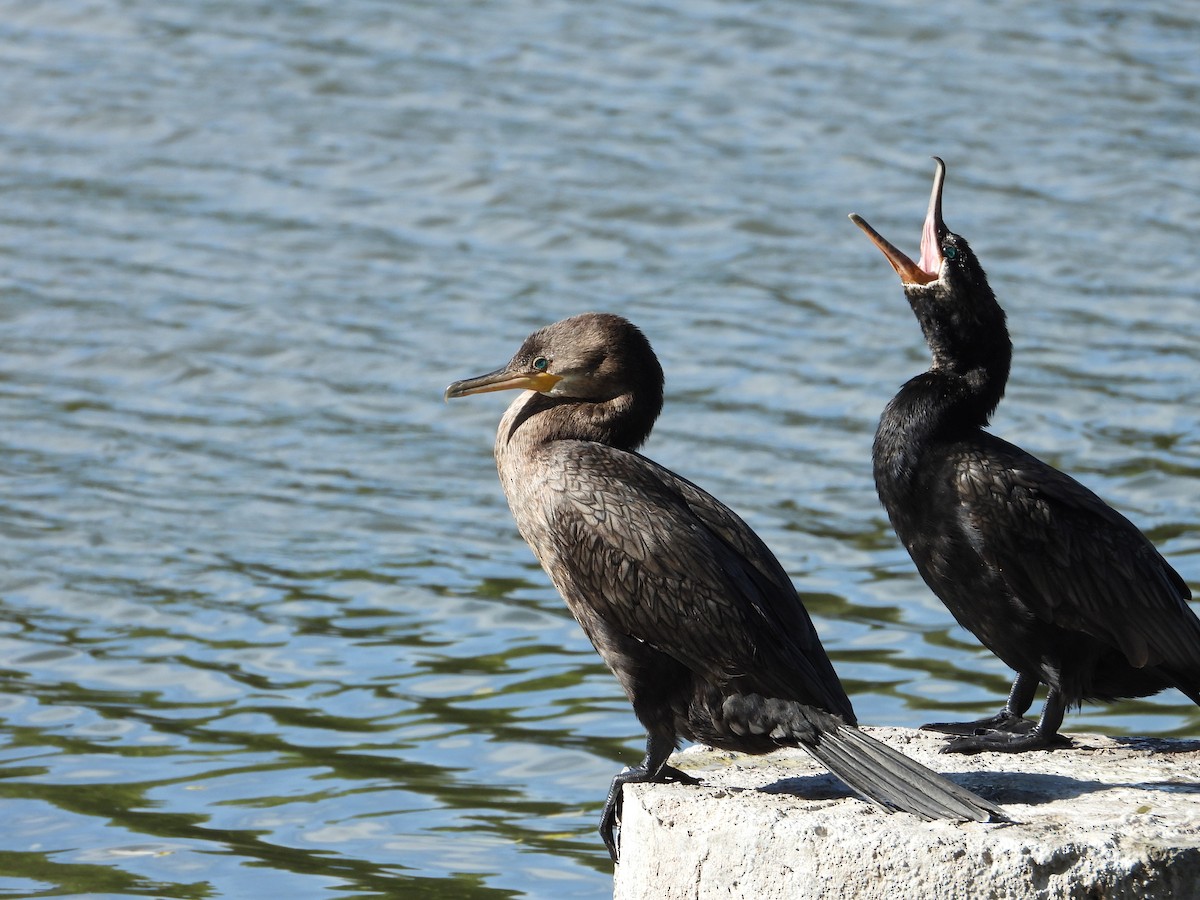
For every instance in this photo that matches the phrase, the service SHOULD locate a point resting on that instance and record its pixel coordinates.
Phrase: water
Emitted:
(265, 625)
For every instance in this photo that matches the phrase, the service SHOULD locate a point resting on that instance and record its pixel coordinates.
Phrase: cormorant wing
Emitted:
(666, 563)
(1072, 559)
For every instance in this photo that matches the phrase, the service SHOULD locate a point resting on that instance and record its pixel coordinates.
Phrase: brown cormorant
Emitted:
(687, 606)
(1059, 585)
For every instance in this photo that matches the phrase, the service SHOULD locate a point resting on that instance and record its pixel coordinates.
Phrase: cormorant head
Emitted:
(948, 291)
(598, 362)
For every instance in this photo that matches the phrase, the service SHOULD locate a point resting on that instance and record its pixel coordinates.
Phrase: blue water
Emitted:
(265, 624)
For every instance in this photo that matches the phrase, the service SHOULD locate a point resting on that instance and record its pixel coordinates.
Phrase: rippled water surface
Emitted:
(266, 627)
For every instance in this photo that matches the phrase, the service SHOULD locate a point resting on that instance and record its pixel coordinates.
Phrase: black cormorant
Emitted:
(687, 606)
(1059, 585)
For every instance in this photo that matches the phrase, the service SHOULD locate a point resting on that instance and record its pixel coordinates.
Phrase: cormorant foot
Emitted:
(671, 775)
(610, 818)
(1004, 721)
(1005, 742)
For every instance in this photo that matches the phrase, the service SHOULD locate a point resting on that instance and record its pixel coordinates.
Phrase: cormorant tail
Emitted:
(889, 779)
(872, 769)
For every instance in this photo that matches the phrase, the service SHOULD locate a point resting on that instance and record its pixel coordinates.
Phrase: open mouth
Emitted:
(930, 266)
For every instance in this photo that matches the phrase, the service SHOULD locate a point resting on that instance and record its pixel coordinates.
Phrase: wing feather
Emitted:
(664, 562)
(1073, 560)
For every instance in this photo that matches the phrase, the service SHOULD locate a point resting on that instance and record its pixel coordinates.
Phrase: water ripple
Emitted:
(265, 622)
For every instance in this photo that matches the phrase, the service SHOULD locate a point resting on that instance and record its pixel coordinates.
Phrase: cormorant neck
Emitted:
(972, 352)
(967, 393)
(968, 339)
(938, 406)
(624, 421)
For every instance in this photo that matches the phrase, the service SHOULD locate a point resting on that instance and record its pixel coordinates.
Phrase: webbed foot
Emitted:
(1004, 721)
(1005, 742)
(610, 819)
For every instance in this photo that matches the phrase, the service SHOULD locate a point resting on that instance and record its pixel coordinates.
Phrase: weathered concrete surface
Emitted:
(1107, 818)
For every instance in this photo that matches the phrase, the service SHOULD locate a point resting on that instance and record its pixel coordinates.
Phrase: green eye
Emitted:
(949, 252)
(540, 363)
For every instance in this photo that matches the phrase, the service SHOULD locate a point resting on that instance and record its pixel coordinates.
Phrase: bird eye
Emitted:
(540, 363)
(949, 252)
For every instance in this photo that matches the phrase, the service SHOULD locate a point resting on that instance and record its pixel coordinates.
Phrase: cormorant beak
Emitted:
(930, 267)
(504, 379)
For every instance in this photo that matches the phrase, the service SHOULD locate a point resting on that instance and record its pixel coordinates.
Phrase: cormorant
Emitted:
(690, 610)
(1059, 585)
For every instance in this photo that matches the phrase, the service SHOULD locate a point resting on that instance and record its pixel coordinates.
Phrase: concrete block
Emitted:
(1107, 818)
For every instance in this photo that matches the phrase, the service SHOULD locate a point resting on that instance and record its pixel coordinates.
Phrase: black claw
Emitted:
(610, 819)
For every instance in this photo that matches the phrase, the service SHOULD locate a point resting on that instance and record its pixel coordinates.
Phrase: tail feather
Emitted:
(875, 771)
(876, 785)
(891, 780)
